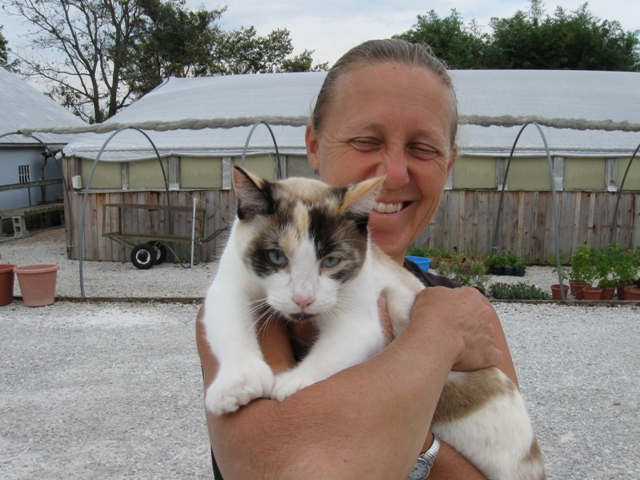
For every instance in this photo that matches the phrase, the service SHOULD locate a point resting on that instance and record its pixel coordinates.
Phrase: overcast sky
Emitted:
(331, 27)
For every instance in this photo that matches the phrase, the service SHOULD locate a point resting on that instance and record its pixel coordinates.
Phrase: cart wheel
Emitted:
(144, 256)
(161, 250)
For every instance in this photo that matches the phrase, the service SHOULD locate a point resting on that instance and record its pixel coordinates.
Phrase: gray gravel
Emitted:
(113, 390)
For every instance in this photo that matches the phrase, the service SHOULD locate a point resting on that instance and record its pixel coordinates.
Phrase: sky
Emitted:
(331, 27)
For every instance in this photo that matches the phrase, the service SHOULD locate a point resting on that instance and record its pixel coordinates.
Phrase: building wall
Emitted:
(11, 158)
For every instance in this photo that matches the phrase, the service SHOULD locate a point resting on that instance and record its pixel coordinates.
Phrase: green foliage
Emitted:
(470, 272)
(583, 268)
(98, 55)
(428, 252)
(505, 260)
(461, 46)
(518, 291)
(531, 40)
(624, 265)
(4, 54)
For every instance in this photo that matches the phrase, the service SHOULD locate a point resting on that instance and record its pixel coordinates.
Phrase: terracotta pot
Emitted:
(6, 283)
(37, 284)
(620, 292)
(631, 293)
(555, 291)
(608, 293)
(592, 293)
(577, 289)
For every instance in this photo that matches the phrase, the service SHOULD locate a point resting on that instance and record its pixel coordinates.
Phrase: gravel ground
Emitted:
(113, 390)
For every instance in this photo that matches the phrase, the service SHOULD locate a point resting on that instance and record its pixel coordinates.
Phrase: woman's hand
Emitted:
(466, 315)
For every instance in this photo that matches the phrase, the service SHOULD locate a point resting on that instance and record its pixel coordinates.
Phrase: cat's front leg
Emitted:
(237, 385)
(243, 375)
(342, 343)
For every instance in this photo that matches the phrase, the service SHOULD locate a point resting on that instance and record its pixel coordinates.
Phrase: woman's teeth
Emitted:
(387, 207)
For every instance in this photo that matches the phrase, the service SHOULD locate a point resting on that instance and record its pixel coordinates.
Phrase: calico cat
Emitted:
(301, 249)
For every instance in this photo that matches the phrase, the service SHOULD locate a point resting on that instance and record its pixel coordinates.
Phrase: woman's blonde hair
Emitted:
(376, 52)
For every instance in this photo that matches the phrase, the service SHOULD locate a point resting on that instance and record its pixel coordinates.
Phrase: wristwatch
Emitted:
(424, 464)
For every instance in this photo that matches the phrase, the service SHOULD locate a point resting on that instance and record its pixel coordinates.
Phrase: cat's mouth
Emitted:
(300, 317)
(381, 207)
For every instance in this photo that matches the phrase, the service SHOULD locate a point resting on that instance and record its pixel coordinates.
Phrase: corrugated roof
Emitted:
(22, 105)
(552, 94)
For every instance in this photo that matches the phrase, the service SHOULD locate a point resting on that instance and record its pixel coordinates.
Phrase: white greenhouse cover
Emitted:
(552, 94)
(22, 105)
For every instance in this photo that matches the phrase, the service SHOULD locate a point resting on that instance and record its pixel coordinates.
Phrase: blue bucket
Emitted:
(422, 262)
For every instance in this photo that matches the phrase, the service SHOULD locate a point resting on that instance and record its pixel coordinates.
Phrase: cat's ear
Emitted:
(255, 195)
(361, 197)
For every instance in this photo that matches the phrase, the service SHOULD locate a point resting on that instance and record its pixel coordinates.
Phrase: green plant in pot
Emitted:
(470, 272)
(604, 268)
(624, 265)
(583, 270)
(495, 264)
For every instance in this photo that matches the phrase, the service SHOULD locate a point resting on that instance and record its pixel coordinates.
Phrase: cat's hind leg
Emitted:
(483, 416)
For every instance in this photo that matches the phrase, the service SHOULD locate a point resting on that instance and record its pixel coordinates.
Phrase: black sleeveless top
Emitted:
(428, 279)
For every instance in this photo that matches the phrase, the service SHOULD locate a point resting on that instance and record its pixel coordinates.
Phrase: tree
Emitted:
(4, 54)
(171, 41)
(461, 46)
(98, 55)
(531, 40)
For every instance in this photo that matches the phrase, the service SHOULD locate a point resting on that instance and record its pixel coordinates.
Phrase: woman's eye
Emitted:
(365, 143)
(422, 151)
(330, 262)
(277, 258)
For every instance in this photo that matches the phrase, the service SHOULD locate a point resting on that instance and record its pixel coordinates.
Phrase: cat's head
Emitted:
(302, 239)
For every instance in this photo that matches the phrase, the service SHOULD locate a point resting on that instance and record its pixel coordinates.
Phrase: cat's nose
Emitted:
(303, 301)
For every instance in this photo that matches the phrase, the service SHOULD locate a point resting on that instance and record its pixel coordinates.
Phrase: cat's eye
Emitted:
(330, 262)
(277, 258)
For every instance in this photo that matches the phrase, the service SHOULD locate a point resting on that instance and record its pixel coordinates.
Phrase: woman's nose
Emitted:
(395, 168)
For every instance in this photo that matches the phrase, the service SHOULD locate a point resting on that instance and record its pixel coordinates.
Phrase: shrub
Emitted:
(518, 291)
(471, 272)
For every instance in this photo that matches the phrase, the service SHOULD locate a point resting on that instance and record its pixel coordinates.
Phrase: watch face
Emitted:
(420, 470)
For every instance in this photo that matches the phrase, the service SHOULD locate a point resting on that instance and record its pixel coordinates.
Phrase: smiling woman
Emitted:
(390, 125)
(387, 109)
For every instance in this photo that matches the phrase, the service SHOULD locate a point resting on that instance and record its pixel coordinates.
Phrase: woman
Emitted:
(386, 108)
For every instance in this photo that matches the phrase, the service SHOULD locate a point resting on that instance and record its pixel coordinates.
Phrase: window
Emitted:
(25, 173)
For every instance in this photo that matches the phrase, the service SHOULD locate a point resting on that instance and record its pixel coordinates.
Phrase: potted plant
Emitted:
(519, 267)
(582, 271)
(631, 293)
(624, 265)
(495, 264)
(470, 272)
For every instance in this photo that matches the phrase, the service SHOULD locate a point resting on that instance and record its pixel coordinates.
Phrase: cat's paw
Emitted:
(288, 383)
(236, 386)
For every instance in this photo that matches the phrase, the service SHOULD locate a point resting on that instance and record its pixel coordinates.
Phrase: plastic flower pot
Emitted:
(555, 291)
(37, 284)
(6, 283)
(422, 262)
(631, 293)
(620, 292)
(608, 293)
(577, 289)
(592, 293)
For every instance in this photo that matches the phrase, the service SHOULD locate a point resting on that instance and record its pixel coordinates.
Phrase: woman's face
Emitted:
(395, 121)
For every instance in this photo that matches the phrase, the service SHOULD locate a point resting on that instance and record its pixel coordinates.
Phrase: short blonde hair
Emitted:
(376, 52)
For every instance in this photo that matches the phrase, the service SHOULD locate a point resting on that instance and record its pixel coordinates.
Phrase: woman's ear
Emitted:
(311, 141)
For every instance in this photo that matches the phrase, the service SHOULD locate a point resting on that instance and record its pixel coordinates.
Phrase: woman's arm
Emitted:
(368, 421)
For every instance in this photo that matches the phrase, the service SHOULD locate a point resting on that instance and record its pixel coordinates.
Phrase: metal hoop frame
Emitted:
(494, 247)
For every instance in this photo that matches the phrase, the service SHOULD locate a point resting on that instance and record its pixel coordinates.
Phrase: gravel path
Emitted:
(113, 390)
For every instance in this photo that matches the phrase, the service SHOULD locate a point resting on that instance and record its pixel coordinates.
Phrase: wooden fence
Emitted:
(464, 222)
